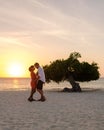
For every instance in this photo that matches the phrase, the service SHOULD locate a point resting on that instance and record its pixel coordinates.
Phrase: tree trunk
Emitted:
(75, 86)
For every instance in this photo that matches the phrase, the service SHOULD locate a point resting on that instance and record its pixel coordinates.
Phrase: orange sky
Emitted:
(43, 31)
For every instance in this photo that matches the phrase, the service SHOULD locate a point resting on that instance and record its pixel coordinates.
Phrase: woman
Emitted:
(33, 82)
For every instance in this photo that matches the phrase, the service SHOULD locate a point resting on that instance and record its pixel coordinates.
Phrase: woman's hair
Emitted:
(31, 67)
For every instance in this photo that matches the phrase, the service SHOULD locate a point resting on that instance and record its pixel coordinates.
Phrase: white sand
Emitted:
(61, 111)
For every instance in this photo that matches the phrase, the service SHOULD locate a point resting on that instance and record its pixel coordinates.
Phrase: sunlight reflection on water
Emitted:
(16, 83)
(24, 84)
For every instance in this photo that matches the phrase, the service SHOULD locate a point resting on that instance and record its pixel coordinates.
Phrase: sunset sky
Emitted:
(46, 30)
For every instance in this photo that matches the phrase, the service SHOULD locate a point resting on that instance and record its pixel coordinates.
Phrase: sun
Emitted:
(15, 70)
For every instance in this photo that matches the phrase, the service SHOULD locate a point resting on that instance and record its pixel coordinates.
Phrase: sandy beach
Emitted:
(61, 111)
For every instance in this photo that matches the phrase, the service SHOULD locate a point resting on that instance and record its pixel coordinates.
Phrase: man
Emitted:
(41, 81)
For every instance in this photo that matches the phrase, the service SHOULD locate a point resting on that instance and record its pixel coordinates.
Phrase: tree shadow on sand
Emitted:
(69, 90)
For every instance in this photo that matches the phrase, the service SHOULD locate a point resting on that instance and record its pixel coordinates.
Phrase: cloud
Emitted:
(11, 42)
(36, 19)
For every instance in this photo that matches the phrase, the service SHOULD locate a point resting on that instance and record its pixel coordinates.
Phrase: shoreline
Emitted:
(57, 89)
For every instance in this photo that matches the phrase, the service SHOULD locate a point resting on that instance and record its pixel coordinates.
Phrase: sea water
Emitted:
(18, 84)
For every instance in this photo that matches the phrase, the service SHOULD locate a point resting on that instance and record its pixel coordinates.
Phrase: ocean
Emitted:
(18, 84)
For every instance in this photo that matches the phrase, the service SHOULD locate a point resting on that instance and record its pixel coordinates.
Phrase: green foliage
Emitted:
(60, 70)
(55, 71)
(75, 55)
(86, 72)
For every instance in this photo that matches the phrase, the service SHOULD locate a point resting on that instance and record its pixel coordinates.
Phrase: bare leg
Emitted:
(31, 95)
(42, 95)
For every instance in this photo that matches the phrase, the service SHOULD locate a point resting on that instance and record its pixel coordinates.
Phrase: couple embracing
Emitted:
(37, 81)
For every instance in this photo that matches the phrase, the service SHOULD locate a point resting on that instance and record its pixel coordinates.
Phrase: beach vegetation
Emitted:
(71, 70)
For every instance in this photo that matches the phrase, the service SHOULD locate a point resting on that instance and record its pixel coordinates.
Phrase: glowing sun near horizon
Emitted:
(15, 70)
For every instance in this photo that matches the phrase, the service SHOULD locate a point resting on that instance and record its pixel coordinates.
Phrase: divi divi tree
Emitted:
(71, 70)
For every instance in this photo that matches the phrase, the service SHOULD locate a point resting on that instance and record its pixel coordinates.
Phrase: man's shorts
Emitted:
(40, 85)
